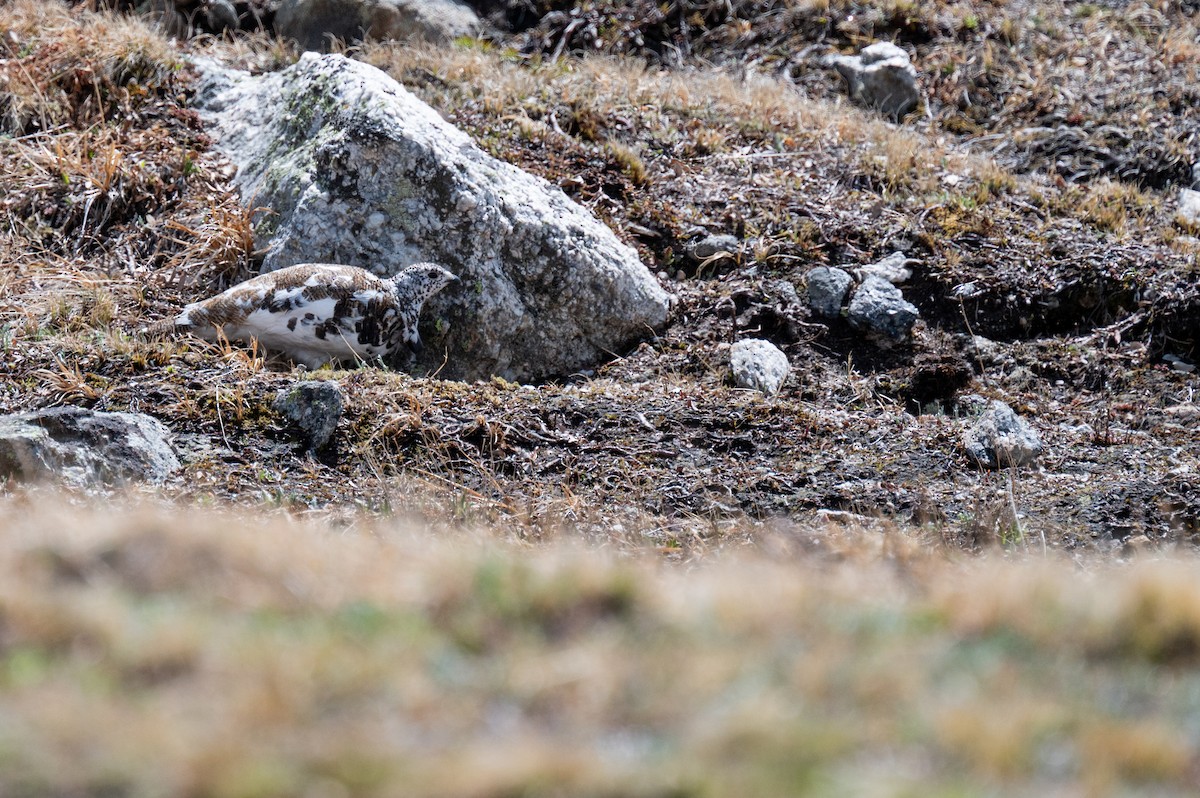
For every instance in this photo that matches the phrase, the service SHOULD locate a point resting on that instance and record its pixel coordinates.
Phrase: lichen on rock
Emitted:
(357, 170)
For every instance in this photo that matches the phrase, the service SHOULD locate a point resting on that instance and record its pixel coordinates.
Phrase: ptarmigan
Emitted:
(318, 313)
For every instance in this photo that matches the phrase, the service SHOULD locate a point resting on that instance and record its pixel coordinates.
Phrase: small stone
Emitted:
(880, 76)
(879, 309)
(966, 290)
(894, 268)
(315, 406)
(827, 290)
(1179, 364)
(759, 365)
(714, 245)
(999, 438)
(784, 292)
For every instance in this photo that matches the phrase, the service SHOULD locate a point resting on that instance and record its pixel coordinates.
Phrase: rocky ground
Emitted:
(1067, 294)
(637, 579)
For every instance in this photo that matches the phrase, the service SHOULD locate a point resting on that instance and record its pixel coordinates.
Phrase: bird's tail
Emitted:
(163, 329)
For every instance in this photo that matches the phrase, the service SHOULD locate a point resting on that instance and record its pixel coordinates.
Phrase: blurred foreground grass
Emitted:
(153, 651)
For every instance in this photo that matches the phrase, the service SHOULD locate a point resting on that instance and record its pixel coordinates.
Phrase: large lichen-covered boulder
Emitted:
(84, 448)
(316, 23)
(357, 170)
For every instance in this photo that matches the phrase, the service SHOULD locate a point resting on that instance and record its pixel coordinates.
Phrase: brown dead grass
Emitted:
(112, 203)
(77, 68)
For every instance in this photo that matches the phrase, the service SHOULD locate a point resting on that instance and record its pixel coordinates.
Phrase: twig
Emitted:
(566, 35)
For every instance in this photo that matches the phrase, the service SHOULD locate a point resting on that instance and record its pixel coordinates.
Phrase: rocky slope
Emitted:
(1049, 273)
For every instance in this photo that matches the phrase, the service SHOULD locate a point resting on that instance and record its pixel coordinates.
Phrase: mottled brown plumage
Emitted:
(317, 313)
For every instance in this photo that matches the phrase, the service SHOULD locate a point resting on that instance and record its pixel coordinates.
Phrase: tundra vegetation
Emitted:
(638, 580)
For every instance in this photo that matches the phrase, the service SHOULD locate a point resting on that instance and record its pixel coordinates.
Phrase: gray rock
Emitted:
(759, 364)
(315, 406)
(1179, 364)
(879, 309)
(881, 76)
(714, 245)
(827, 290)
(84, 448)
(221, 15)
(181, 17)
(165, 15)
(999, 438)
(1188, 213)
(894, 268)
(357, 170)
(784, 292)
(316, 23)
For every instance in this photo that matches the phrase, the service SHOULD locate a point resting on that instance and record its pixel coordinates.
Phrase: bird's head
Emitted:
(412, 286)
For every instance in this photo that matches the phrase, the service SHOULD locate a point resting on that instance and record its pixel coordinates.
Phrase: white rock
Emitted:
(881, 76)
(894, 268)
(712, 246)
(547, 289)
(999, 438)
(759, 365)
(881, 51)
(1188, 213)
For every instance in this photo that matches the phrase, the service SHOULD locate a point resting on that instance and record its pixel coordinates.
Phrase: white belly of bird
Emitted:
(295, 334)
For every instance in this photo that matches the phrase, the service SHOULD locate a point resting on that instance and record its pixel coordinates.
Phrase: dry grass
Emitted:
(76, 68)
(112, 205)
(1114, 207)
(601, 90)
(1086, 91)
(252, 655)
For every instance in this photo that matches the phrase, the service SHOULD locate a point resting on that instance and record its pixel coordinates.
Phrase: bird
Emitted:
(318, 313)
